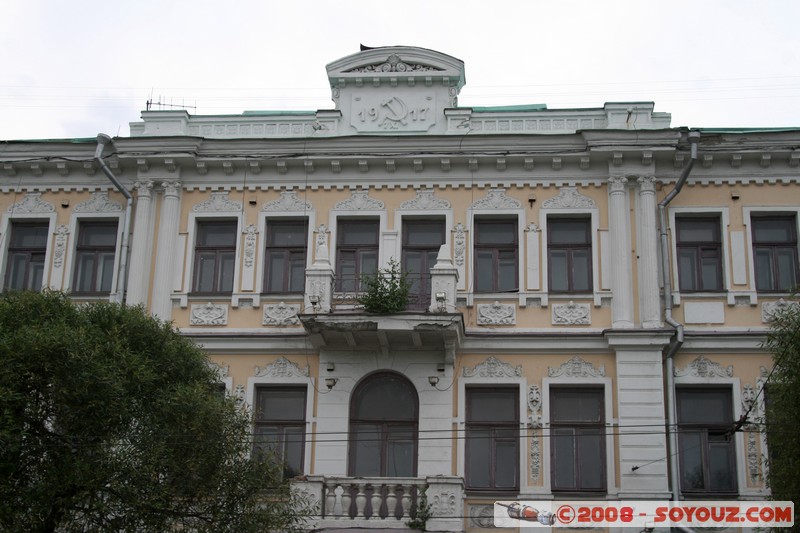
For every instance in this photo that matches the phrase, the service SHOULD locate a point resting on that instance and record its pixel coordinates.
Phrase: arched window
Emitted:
(383, 427)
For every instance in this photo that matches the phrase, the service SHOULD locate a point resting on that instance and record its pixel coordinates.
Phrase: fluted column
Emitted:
(166, 256)
(139, 270)
(621, 269)
(649, 300)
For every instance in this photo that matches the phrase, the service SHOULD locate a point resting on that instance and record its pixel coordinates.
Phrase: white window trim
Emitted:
(724, 218)
(496, 215)
(736, 409)
(188, 279)
(261, 245)
(461, 420)
(308, 382)
(594, 217)
(610, 426)
(69, 260)
(747, 212)
(5, 236)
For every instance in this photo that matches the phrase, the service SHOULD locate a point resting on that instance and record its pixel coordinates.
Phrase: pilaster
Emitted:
(621, 268)
(165, 256)
(141, 247)
(649, 300)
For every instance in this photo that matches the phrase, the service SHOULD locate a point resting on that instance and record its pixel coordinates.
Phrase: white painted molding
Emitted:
(209, 314)
(576, 368)
(571, 314)
(704, 368)
(281, 314)
(497, 314)
(98, 203)
(493, 368)
(282, 368)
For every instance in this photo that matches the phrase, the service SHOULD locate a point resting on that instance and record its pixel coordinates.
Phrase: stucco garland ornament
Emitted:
(493, 368)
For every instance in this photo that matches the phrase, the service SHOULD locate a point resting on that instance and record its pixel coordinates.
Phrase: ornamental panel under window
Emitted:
(280, 428)
(577, 446)
(707, 449)
(492, 439)
(421, 242)
(496, 255)
(215, 256)
(285, 257)
(94, 257)
(699, 249)
(27, 248)
(569, 255)
(775, 253)
(356, 252)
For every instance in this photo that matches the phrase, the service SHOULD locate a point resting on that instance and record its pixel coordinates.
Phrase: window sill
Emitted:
(733, 298)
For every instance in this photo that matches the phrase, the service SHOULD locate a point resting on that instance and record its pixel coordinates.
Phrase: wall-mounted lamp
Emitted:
(65, 203)
(433, 380)
(331, 367)
(735, 195)
(441, 298)
(330, 382)
(531, 199)
(252, 201)
(314, 299)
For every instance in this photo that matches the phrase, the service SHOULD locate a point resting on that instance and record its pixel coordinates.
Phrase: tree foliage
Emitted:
(783, 405)
(111, 421)
(386, 290)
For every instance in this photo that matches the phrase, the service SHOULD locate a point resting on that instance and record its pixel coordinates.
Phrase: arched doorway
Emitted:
(384, 414)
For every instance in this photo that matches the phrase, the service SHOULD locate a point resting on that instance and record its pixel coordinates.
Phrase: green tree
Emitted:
(386, 290)
(783, 405)
(111, 421)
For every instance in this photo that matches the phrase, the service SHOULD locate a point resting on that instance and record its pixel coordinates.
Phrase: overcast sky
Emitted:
(76, 68)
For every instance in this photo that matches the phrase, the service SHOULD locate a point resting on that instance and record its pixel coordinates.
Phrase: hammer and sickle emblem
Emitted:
(396, 110)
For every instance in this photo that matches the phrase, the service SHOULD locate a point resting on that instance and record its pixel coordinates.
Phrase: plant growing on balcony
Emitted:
(386, 290)
(420, 520)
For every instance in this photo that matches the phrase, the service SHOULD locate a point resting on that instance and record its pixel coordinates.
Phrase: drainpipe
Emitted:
(118, 294)
(677, 340)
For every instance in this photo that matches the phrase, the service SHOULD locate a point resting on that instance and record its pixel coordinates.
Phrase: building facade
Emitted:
(590, 287)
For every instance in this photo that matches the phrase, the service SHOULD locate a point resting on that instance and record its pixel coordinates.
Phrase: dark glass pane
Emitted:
(787, 268)
(691, 460)
(478, 457)
(559, 274)
(591, 459)
(720, 461)
(16, 277)
(367, 453)
(412, 261)
(773, 230)
(204, 277)
(581, 270)
(484, 271)
(704, 406)
(266, 440)
(569, 231)
(563, 443)
(764, 279)
(369, 262)
(492, 405)
(297, 275)
(281, 404)
(400, 452)
(427, 234)
(496, 232)
(710, 269)
(219, 234)
(36, 273)
(385, 397)
(362, 232)
(576, 405)
(98, 235)
(698, 230)
(687, 271)
(507, 271)
(85, 271)
(293, 451)
(275, 273)
(29, 236)
(227, 262)
(506, 459)
(288, 234)
(105, 272)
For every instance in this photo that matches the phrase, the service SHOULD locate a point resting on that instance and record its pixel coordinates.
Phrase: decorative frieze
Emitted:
(281, 314)
(393, 64)
(322, 238)
(569, 198)
(768, 309)
(98, 203)
(251, 235)
(571, 314)
(496, 199)
(219, 202)
(209, 314)
(360, 201)
(577, 368)
(288, 202)
(459, 244)
(535, 408)
(31, 203)
(425, 200)
(61, 233)
(481, 516)
(497, 314)
(493, 368)
(282, 368)
(704, 368)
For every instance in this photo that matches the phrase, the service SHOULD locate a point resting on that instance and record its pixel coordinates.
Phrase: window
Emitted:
(26, 250)
(707, 453)
(577, 446)
(215, 256)
(285, 270)
(357, 252)
(775, 251)
(280, 426)
(421, 242)
(699, 248)
(496, 248)
(383, 427)
(569, 255)
(94, 257)
(492, 447)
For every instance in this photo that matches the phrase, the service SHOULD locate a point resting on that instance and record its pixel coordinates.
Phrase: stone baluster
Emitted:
(361, 499)
(391, 501)
(405, 502)
(347, 500)
(376, 500)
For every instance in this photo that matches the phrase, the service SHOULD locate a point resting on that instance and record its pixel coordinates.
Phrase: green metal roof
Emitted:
(511, 108)
(270, 113)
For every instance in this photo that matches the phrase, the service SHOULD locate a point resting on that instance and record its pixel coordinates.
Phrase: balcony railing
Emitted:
(348, 288)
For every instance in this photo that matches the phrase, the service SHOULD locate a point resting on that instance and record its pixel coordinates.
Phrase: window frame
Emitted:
(270, 224)
(600, 425)
(706, 429)
(494, 439)
(700, 247)
(496, 250)
(198, 249)
(29, 251)
(358, 250)
(570, 248)
(772, 247)
(80, 249)
(282, 424)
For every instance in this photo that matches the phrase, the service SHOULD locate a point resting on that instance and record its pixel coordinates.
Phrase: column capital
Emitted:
(171, 188)
(617, 184)
(647, 184)
(144, 188)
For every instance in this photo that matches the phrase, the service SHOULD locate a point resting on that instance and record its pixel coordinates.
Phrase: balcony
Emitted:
(383, 503)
